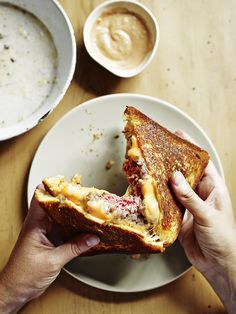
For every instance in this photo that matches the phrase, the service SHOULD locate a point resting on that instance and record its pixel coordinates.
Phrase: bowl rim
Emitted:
(91, 19)
(39, 115)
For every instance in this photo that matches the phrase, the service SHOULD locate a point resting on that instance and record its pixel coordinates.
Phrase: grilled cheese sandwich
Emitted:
(147, 218)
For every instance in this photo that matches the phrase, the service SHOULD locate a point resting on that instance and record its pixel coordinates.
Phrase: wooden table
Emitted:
(194, 69)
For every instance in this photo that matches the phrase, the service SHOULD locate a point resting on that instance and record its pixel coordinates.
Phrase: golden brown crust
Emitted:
(163, 153)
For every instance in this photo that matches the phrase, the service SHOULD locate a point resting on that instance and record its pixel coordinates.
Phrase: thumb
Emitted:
(78, 245)
(188, 198)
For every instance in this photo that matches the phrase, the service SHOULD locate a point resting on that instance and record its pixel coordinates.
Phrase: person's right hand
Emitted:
(208, 233)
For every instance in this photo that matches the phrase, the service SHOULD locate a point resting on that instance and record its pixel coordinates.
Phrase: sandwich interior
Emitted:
(137, 210)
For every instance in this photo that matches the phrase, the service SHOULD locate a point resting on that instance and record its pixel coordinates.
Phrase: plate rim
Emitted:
(126, 290)
(138, 96)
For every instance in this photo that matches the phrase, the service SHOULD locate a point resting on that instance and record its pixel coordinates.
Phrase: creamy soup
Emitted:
(28, 64)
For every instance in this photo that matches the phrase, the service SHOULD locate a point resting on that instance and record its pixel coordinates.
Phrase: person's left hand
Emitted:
(35, 262)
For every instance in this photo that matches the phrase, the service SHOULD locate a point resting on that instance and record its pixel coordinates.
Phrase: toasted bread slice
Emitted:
(117, 220)
(153, 154)
(147, 218)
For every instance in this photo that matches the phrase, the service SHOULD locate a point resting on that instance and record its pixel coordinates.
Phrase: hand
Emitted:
(208, 233)
(35, 262)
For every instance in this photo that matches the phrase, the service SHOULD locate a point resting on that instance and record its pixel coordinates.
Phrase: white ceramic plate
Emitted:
(83, 141)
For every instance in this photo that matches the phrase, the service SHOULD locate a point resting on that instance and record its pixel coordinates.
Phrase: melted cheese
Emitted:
(73, 191)
(134, 152)
(95, 208)
(151, 206)
(78, 193)
(147, 184)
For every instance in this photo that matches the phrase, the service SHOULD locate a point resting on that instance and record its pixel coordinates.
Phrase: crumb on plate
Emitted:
(110, 164)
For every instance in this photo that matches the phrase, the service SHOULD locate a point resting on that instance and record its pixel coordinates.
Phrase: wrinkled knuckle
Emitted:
(53, 264)
(205, 216)
(75, 249)
(209, 215)
(188, 194)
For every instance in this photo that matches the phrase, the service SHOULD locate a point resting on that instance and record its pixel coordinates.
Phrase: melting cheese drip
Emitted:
(150, 202)
(148, 185)
(134, 152)
(78, 194)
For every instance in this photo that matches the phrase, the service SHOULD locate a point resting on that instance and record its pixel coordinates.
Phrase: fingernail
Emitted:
(92, 240)
(178, 178)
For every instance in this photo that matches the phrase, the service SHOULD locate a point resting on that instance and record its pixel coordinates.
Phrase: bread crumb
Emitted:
(97, 136)
(76, 179)
(110, 164)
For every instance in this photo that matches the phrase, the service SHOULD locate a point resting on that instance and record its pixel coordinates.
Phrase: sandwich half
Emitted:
(147, 219)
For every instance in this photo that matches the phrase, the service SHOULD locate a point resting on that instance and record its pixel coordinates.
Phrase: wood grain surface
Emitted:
(194, 69)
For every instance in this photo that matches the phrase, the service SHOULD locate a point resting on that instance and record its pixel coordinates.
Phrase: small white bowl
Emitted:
(51, 14)
(136, 8)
